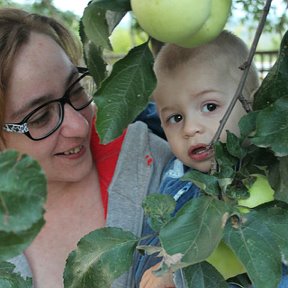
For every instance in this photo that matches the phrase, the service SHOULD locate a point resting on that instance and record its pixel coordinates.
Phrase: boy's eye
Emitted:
(209, 107)
(175, 119)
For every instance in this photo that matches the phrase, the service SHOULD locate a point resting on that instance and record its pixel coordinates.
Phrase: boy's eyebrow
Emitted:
(201, 93)
(164, 109)
(207, 91)
(34, 103)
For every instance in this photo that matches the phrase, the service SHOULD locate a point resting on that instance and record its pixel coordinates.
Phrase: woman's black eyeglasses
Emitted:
(47, 118)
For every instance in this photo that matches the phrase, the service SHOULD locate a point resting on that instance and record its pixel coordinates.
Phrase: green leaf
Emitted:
(257, 161)
(237, 190)
(9, 279)
(272, 127)
(149, 250)
(22, 186)
(113, 18)
(203, 275)
(274, 86)
(207, 183)
(253, 244)
(247, 124)
(113, 5)
(125, 93)
(95, 25)
(93, 57)
(222, 156)
(158, 208)
(278, 179)
(190, 232)
(101, 17)
(276, 219)
(226, 174)
(101, 257)
(95, 63)
(234, 146)
(14, 243)
(224, 183)
(241, 281)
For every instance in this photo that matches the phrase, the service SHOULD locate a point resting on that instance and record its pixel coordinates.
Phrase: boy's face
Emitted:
(191, 101)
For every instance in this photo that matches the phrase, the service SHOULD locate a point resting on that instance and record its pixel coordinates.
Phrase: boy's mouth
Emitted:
(200, 152)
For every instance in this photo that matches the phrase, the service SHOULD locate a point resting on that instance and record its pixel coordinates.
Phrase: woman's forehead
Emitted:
(39, 63)
(41, 53)
(40, 68)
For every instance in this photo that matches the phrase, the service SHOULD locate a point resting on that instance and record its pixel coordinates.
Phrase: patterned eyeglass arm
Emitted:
(16, 128)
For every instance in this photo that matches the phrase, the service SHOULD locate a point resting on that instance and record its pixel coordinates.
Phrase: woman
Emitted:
(46, 113)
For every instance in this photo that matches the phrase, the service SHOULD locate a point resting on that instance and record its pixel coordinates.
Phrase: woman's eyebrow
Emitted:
(42, 99)
(23, 111)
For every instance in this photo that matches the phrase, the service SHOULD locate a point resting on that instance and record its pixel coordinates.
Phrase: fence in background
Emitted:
(264, 60)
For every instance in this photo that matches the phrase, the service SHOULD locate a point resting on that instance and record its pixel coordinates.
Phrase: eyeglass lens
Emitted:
(49, 117)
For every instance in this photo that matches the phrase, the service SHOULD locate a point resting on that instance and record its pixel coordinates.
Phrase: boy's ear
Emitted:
(155, 46)
(251, 98)
(247, 99)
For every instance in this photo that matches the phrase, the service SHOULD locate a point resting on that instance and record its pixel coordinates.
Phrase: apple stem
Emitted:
(245, 67)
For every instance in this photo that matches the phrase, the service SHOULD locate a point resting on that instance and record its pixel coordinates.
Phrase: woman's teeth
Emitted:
(73, 151)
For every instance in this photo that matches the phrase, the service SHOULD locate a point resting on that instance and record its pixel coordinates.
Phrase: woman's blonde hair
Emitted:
(15, 28)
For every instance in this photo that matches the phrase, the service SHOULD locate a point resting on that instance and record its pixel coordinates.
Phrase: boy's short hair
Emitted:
(227, 49)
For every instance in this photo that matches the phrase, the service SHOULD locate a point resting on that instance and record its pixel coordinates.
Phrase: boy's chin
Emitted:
(204, 167)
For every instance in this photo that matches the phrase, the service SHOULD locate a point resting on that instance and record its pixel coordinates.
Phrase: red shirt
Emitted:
(105, 157)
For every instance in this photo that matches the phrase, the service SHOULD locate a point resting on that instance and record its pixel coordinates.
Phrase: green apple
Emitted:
(187, 23)
(260, 192)
(171, 20)
(212, 27)
(225, 261)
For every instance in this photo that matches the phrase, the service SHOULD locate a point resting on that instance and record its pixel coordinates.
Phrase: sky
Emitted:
(76, 6)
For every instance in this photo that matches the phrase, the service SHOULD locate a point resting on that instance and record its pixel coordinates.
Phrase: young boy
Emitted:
(194, 89)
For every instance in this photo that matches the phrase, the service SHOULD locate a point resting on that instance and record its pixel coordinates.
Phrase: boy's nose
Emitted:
(191, 128)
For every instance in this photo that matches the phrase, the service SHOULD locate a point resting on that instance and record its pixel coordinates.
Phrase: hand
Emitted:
(150, 280)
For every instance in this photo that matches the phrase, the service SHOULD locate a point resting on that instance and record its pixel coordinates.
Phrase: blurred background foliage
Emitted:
(251, 12)
(46, 7)
(243, 22)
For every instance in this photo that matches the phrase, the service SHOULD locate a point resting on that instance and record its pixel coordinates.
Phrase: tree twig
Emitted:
(245, 67)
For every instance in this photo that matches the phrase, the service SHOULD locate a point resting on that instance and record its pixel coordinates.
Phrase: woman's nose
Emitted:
(75, 124)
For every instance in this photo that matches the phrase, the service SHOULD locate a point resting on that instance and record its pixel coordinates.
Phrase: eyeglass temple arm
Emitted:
(82, 69)
(18, 128)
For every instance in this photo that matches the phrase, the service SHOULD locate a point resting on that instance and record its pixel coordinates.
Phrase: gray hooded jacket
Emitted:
(138, 172)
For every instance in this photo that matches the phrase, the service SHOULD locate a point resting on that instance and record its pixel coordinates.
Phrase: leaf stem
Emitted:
(245, 67)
